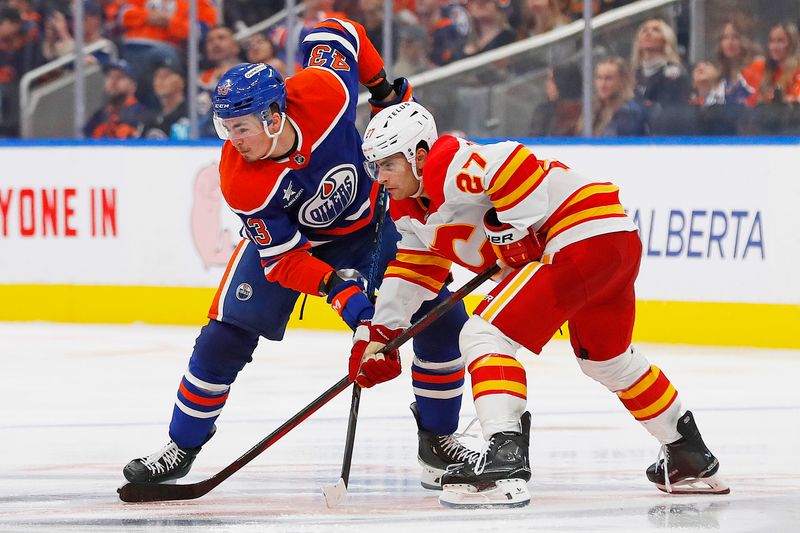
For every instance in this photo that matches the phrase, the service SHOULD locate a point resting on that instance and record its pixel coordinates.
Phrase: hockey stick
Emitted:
(334, 494)
(161, 492)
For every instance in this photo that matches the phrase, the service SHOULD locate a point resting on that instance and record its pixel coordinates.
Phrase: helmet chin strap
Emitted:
(274, 136)
(419, 178)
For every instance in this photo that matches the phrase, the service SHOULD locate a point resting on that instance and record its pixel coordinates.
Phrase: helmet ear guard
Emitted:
(399, 129)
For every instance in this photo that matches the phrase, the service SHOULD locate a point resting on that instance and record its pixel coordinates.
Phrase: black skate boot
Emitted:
(692, 467)
(437, 452)
(497, 478)
(170, 462)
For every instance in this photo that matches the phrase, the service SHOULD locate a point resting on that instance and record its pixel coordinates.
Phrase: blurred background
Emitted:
(487, 68)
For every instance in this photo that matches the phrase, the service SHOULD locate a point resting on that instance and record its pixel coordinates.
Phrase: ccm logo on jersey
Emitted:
(336, 192)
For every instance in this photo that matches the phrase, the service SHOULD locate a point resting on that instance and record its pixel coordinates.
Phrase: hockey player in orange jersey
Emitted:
(569, 252)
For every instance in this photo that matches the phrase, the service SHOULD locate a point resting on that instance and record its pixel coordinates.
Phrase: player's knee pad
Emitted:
(221, 351)
(479, 337)
(617, 373)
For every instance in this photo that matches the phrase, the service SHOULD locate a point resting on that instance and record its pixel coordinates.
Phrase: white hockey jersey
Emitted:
(463, 180)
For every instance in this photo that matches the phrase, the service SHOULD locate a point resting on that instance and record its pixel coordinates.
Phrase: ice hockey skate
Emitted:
(437, 452)
(691, 466)
(169, 463)
(497, 478)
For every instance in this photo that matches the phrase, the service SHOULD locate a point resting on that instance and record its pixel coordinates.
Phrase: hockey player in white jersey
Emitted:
(569, 252)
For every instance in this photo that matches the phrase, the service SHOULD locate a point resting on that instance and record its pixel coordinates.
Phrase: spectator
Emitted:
(123, 117)
(155, 31)
(314, 12)
(58, 40)
(712, 112)
(558, 117)
(222, 52)
(172, 121)
(489, 27)
(541, 16)
(372, 20)
(777, 77)
(735, 51)
(412, 51)
(660, 76)
(19, 53)
(447, 42)
(259, 49)
(615, 112)
(708, 88)
(457, 13)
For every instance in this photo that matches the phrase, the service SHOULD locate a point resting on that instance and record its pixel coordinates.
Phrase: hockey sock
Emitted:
(653, 401)
(198, 405)
(438, 388)
(499, 387)
(643, 389)
(220, 353)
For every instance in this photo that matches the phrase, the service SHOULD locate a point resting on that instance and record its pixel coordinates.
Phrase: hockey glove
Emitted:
(367, 366)
(347, 297)
(403, 91)
(515, 247)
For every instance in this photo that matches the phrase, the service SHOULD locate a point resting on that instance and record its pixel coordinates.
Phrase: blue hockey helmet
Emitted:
(248, 88)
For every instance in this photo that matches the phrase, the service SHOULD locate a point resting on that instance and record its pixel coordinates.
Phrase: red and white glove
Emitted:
(367, 366)
(515, 247)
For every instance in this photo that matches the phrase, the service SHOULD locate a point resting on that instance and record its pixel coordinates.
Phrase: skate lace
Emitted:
(480, 461)
(456, 450)
(662, 454)
(165, 458)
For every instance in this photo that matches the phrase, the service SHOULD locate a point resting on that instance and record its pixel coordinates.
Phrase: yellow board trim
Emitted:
(702, 323)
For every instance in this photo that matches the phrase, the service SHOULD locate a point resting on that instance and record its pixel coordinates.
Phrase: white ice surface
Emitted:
(80, 401)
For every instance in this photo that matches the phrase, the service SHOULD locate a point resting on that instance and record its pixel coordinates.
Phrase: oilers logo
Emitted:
(244, 291)
(224, 88)
(335, 194)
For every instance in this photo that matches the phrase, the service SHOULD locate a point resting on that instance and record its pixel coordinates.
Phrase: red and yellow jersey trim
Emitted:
(519, 175)
(425, 269)
(591, 202)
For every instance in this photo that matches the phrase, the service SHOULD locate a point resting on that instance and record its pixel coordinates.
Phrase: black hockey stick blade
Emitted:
(335, 494)
(160, 492)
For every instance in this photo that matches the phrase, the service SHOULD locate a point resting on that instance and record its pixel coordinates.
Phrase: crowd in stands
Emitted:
(741, 88)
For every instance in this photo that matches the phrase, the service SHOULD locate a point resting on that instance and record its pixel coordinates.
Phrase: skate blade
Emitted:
(704, 485)
(431, 478)
(334, 494)
(506, 493)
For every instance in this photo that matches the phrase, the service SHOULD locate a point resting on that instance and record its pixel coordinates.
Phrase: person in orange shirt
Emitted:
(777, 77)
(155, 31)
